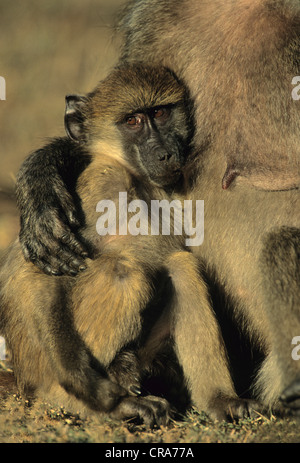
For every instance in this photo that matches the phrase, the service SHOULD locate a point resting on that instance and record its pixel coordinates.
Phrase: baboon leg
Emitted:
(109, 299)
(46, 348)
(280, 265)
(200, 346)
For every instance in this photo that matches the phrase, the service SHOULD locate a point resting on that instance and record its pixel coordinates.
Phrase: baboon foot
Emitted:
(290, 398)
(150, 410)
(125, 371)
(234, 409)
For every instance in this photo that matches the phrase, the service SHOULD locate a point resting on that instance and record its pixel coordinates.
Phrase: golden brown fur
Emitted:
(238, 59)
(65, 334)
(231, 69)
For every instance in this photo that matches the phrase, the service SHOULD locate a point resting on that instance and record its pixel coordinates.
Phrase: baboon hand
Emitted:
(47, 239)
(149, 410)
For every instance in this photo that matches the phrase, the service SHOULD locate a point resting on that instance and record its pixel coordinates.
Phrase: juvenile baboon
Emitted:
(93, 336)
(238, 59)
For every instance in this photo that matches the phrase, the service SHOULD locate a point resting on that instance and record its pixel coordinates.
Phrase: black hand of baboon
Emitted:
(48, 235)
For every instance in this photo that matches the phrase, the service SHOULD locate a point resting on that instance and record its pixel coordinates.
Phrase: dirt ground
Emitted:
(49, 48)
(44, 423)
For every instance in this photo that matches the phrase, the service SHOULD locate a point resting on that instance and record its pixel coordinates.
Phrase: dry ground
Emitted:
(43, 423)
(49, 48)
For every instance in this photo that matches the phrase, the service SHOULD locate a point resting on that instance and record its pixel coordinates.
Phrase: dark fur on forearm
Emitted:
(49, 209)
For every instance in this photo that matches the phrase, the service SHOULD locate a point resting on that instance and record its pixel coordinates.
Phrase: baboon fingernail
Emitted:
(73, 273)
(136, 390)
(55, 273)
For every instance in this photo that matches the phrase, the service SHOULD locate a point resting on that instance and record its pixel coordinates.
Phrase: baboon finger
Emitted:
(68, 239)
(58, 253)
(63, 262)
(72, 266)
(31, 256)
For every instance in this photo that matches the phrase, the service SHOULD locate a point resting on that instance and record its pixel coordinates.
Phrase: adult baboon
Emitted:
(238, 58)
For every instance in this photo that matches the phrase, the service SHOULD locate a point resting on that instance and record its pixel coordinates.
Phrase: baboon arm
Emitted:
(276, 180)
(47, 203)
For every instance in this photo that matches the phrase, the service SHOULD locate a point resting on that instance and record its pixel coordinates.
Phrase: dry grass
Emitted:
(50, 48)
(44, 424)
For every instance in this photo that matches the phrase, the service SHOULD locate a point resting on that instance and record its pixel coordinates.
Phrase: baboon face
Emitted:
(143, 115)
(152, 146)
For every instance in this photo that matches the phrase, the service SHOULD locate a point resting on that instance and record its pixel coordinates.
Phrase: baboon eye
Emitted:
(134, 121)
(161, 114)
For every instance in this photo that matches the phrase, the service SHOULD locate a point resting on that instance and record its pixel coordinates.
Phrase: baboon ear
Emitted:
(74, 118)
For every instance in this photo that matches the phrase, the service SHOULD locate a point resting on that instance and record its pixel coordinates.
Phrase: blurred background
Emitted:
(48, 48)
